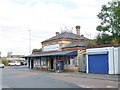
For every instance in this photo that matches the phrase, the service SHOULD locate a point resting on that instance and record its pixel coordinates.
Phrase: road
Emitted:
(22, 77)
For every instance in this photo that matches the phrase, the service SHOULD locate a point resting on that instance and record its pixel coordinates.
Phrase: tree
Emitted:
(5, 62)
(37, 50)
(90, 42)
(110, 21)
(104, 39)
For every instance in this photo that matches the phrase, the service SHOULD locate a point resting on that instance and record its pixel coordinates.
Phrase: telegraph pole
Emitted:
(29, 41)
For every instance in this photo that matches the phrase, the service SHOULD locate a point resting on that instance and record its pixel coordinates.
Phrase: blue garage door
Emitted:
(98, 63)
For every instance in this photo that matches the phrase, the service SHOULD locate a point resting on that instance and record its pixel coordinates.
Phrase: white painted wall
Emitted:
(30, 63)
(87, 63)
(117, 60)
(1, 78)
(34, 63)
(97, 50)
(111, 60)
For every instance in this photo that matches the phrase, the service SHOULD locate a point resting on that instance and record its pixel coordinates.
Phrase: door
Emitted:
(98, 63)
(32, 64)
(62, 65)
(52, 62)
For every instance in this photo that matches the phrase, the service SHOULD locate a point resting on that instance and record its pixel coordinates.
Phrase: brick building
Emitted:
(64, 52)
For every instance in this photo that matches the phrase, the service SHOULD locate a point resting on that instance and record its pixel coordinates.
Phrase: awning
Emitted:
(64, 53)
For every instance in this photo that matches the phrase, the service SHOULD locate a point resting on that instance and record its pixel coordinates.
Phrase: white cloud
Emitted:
(43, 19)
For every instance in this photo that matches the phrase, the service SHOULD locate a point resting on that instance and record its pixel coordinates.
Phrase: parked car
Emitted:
(2, 65)
(14, 63)
(23, 63)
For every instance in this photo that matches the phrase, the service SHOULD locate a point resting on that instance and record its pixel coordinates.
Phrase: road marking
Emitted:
(60, 74)
(109, 86)
(83, 86)
(65, 74)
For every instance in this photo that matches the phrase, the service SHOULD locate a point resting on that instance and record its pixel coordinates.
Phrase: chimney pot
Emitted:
(77, 27)
(78, 31)
(57, 33)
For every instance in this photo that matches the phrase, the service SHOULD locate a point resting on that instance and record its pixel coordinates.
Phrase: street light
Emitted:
(29, 41)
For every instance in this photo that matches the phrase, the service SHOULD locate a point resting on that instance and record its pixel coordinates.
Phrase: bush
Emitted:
(5, 62)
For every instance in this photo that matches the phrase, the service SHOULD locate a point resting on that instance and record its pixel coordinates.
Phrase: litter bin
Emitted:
(61, 66)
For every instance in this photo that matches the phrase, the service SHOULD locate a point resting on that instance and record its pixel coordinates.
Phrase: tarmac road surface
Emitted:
(22, 77)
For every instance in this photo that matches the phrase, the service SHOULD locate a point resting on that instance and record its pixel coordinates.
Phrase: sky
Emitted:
(42, 18)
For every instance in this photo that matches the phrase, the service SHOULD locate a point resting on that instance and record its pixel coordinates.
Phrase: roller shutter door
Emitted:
(98, 63)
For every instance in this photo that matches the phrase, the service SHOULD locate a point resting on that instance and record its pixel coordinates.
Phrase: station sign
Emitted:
(53, 47)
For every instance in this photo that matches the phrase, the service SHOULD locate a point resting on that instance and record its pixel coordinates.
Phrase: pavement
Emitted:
(110, 77)
(93, 76)
(85, 80)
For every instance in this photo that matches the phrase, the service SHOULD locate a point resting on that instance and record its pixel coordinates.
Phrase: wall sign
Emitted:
(51, 47)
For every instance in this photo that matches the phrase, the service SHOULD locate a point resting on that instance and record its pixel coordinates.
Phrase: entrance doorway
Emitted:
(32, 64)
(52, 62)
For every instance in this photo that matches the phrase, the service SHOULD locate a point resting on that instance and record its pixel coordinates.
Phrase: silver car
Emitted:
(2, 65)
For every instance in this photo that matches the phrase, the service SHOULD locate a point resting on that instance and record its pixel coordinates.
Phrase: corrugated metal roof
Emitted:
(64, 53)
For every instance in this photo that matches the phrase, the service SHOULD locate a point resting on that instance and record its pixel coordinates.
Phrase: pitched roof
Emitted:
(76, 44)
(68, 35)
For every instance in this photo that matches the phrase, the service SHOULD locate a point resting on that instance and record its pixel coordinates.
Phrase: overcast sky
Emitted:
(44, 18)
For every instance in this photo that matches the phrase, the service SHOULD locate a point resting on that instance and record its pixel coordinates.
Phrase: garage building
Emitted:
(103, 60)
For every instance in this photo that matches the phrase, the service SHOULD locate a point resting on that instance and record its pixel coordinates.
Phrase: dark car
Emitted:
(23, 63)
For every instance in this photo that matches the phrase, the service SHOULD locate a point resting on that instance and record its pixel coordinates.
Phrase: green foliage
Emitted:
(104, 39)
(5, 62)
(116, 41)
(110, 22)
(91, 42)
(37, 50)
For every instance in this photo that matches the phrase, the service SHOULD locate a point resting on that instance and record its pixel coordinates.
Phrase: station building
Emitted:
(63, 52)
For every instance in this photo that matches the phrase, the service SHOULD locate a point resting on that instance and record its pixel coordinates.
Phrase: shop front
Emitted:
(54, 61)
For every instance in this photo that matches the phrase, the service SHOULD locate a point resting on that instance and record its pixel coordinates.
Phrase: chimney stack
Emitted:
(78, 31)
(57, 33)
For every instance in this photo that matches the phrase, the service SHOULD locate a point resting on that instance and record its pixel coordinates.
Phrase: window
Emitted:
(72, 61)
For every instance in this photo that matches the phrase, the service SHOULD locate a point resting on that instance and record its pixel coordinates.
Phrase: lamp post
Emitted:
(29, 41)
